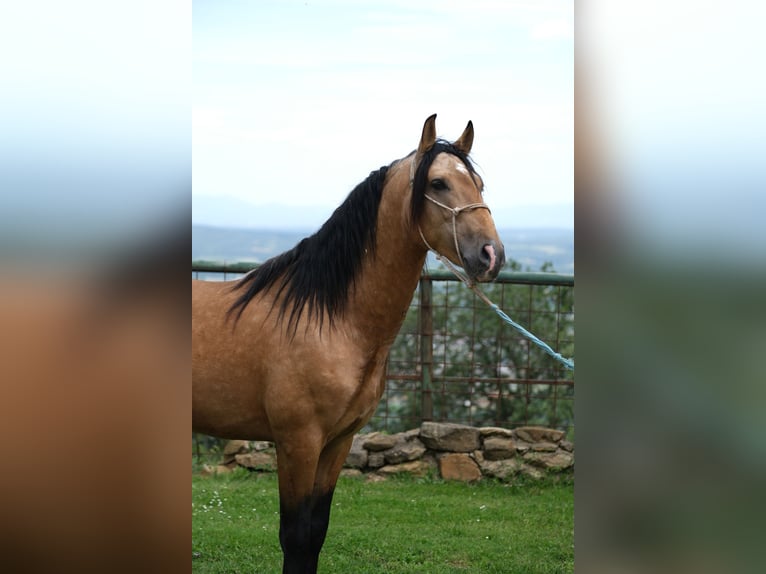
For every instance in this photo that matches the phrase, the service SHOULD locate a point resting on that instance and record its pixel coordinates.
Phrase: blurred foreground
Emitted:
(95, 413)
(671, 313)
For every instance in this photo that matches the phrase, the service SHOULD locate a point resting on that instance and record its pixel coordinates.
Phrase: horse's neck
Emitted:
(389, 277)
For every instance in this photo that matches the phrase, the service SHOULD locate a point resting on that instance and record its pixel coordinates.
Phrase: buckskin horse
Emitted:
(295, 351)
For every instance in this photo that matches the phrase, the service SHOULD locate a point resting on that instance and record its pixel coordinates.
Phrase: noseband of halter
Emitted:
(455, 211)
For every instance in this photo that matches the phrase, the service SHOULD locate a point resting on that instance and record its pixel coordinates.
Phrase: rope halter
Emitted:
(455, 211)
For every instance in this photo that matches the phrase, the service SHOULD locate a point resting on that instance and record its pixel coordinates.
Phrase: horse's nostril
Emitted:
(488, 256)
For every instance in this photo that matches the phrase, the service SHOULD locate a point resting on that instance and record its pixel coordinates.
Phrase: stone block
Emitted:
(410, 434)
(234, 447)
(495, 431)
(499, 448)
(539, 434)
(558, 460)
(501, 469)
(459, 466)
(405, 452)
(376, 459)
(257, 460)
(378, 441)
(449, 437)
(544, 447)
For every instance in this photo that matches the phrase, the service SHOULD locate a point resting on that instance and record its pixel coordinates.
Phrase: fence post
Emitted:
(425, 330)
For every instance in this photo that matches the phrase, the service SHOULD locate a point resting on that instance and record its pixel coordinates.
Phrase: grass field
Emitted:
(398, 526)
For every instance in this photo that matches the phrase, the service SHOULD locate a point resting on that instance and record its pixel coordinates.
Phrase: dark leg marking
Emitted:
(302, 531)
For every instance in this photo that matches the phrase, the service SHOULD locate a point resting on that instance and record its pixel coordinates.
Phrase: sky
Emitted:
(295, 102)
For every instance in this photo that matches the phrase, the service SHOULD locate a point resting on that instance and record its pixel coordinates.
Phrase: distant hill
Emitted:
(533, 247)
(230, 244)
(237, 213)
(530, 247)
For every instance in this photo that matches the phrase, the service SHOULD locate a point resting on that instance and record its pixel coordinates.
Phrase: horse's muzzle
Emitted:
(484, 262)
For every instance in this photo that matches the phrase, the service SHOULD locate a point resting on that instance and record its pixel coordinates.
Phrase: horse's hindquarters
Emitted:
(227, 383)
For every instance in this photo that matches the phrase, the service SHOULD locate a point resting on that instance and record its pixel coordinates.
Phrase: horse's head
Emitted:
(447, 204)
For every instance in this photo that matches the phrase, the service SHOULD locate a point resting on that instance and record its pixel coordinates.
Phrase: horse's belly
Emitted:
(226, 409)
(227, 398)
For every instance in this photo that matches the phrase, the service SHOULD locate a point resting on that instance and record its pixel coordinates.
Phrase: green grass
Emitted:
(399, 526)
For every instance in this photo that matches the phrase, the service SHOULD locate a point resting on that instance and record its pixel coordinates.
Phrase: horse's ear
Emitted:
(465, 141)
(428, 138)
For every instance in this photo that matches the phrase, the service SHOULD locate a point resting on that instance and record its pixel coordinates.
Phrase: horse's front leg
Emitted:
(297, 461)
(330, 464)
(307, 479)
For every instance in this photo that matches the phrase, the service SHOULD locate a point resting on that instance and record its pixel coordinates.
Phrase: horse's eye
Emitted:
(438, 184)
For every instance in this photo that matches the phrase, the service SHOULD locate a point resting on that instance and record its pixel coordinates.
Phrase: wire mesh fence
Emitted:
(455, 361)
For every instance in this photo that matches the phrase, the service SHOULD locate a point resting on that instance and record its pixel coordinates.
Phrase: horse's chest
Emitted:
(362, 384)
(374, 379)
(372, 385)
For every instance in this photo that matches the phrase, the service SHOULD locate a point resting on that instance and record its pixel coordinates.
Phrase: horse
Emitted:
(295, 351)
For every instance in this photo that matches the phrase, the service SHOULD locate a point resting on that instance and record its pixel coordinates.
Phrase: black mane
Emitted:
(319, 271)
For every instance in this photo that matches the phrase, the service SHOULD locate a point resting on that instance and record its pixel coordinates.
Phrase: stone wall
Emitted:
(449, 451)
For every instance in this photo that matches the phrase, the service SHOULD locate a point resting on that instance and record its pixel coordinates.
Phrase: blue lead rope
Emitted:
(568, 363)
